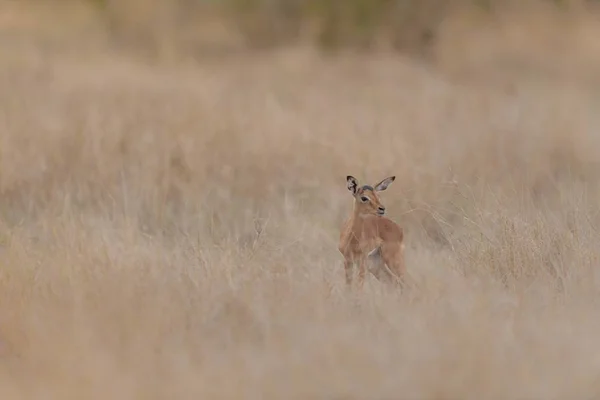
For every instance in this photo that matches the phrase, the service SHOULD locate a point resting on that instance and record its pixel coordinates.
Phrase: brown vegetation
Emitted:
(169, 230)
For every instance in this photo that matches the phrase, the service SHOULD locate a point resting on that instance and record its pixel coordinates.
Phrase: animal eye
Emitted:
(363, 199)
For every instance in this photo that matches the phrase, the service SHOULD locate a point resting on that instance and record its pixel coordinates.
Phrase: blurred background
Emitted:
(442, 32)
(191, 29)
(172, 185)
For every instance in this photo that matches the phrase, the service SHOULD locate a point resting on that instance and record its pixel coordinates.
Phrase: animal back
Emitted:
(385, 228)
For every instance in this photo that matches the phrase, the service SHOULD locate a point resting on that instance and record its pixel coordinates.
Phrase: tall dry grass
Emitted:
(171, 231)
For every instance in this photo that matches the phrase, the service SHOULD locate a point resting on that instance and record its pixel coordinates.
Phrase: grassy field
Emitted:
(169, 230)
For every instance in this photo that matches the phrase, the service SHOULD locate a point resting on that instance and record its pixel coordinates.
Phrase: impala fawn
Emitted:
(369, 237)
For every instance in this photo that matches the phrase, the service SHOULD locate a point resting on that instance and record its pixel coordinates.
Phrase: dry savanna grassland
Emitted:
(168, 230)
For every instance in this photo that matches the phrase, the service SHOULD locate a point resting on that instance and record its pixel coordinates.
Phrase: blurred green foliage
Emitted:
(341, 23)
(406, 24)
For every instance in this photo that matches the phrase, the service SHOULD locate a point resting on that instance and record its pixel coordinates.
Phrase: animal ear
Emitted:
(381, 186)
(352, 184)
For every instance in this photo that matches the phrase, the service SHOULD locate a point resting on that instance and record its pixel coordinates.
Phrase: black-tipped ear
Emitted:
(381, 186)
(352, 184)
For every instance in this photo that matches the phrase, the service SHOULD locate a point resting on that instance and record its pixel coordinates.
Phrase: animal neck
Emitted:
(356, 214)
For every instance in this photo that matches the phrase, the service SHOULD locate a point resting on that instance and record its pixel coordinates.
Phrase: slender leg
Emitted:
(362, 270)
(377, 267)
(348, 269)
(394, 258)
(401, 266)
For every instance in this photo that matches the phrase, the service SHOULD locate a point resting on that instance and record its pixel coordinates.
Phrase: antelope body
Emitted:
(368, 237)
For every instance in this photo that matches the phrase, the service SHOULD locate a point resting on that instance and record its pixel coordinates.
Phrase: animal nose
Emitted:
(381, 209)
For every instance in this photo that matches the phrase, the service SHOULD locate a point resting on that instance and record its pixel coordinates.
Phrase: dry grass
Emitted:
(171, 231)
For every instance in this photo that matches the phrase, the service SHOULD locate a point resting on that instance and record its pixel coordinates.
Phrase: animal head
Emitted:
(366, 199)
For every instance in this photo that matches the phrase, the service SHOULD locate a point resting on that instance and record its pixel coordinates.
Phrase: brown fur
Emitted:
(369, 237)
